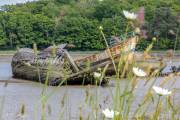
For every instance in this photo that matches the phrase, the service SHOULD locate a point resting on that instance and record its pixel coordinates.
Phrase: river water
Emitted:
(65, 102)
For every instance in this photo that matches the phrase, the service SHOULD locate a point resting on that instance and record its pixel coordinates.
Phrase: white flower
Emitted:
(138, 72)
(161, 91)
(97, 75)
(109, 113)
(128, 15)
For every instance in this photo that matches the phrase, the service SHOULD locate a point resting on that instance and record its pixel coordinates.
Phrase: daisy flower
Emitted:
(129, 15)
(110, 113)
(139, 72)
(161, 91)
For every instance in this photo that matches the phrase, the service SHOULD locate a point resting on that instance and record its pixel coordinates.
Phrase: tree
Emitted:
(164, 26)
(23, 29)
(162, 22)
(3, 38)
(43, 28)
(80, 31)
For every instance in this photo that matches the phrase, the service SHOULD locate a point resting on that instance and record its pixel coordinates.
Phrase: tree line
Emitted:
(76, 22)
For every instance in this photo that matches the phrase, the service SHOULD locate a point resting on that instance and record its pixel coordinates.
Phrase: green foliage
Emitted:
(3, 39)
(65, 1)
(164, 44)
(143, 44)
(163, 22)
(114, 26)
(51, 10)
(79, 31)
(23, 29)
(77, 22)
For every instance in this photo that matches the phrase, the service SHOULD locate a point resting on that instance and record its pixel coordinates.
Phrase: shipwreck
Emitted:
(59, 67)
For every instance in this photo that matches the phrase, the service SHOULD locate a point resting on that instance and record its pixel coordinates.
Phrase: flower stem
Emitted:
(127, 27)
(176, 39)
(113, 62)
(156, 113)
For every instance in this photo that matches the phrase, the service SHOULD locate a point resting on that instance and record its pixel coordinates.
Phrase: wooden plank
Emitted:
(75, 68)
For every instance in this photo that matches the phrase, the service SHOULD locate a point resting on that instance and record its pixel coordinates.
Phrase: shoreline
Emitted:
(77, 55)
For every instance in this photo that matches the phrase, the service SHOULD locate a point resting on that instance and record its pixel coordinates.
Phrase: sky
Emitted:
(9, 2)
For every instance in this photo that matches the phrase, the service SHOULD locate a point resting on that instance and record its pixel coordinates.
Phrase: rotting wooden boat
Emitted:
(59, 67)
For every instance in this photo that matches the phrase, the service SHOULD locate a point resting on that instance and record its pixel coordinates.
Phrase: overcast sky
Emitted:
(9, 2)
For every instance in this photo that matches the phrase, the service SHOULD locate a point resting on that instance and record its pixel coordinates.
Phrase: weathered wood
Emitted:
(91, 69)
(123, 46)
(71, 61)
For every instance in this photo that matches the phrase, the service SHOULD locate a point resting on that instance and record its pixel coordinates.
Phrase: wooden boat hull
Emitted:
(57, 68)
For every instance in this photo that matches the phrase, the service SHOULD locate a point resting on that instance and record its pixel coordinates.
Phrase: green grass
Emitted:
(7, 52)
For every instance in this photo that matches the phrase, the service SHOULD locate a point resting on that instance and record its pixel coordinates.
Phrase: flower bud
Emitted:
(100, 28)
(137, 30)
(154, 39)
